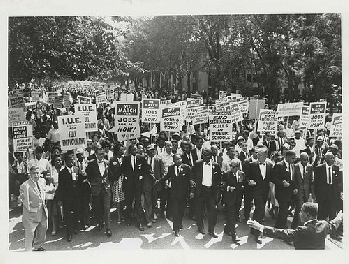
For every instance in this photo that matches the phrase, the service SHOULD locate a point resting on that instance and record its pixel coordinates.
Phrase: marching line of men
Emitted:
(200, 178)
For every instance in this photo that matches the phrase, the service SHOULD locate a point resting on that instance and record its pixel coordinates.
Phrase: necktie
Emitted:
(37, 185)
(290, 169)
(177, 171)
(329, 176)
(303, 172)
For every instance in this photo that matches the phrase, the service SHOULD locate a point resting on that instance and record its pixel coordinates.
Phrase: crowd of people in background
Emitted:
(157, 177)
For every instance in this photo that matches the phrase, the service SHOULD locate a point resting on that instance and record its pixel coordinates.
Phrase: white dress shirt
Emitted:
(263, 169)
(207, 174)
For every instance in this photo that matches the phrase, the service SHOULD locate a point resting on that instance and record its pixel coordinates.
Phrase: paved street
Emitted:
(159, 236)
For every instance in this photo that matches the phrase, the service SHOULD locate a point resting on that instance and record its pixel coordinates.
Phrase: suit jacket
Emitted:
(157, 173)
(179, 182)
(197, 176)
(309, 236)
(303, 184)
(262, 185)
(194, 155)
(95, 178)
(187, 160)
(279, 174)
(66, 188)
(132, 175)
(219, 160)
(229, 179)
(321, 187)
(34, 208)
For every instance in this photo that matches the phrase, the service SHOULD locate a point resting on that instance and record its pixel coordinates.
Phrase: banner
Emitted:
(90, 113)
(15, 115)
(267, 122)
(221, 127)
(171, 119)
(243, 104)
(336, 126)
(317, 115)
(66, 100)
(127, 120)
(72, 131)
(254, 107)
(201, 116)
(84, 100)
(151, 110)
(22, 137)
(101, 99)
(290, 109)
(193, 102)
(304, 119)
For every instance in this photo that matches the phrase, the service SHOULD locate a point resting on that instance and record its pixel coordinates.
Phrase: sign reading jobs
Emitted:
(90, 113)
(317, 115)
(127, 120)
(72, 131)
(221, 127)
(171, 119)
(151, 110)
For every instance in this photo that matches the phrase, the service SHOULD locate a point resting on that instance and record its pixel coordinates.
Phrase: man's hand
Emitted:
(255, 225)
(59, 203)
(191, 195)
(339, 217)
(141, 177)
(252, 183)
(192, 183)
(286, 184)
(295, 191)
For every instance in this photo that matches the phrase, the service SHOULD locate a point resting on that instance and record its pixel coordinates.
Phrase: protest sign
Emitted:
(72, 131)
(222, 96)
(101, 99)
(66, 100)
(243, 104)
(193, 102)
(221, 127)
(304, 119)
(151, 110)
(267, 122)
(58, 102)
(15, 115)
(16, 101)
(171, 119)
(84, 100)
(22, 137)
(127, 120)
(317, 115)
(336, 126)
(51, 97)
(254, 106)
(201, 116)
(35, 95)
(90, 113)
(290, 109)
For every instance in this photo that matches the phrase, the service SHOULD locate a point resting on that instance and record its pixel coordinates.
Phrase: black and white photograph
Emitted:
(188, 132)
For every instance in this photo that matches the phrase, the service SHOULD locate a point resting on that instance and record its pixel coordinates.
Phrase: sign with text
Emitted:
(15, 115)
(101, 99)
(151, 110)
(201, 116)
(84, 100)
(317, 115)
(267, 122)
(35, 96)
(51, 97)
(72, 131)
(304, 119)
(171, 119)
(22, 137)
(90, 113)
(290, 109)
(336, 126)
(16, 101)
(127, 120)
(221, 127)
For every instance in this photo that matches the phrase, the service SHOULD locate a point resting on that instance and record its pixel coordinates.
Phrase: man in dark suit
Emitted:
(259, 177)
(311, 235)
(134, 168)
(327, 178)
(67, 194)
(98, 175)
(187, 157)
(232, 185)
(303, 178)
(216, 156)
(207, 178)
(197, 151)
(180, 175)
(283, 178)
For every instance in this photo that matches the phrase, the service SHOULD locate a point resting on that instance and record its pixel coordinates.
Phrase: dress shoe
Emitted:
(140, 226)
(177, 233)
(53, 233)
(149, 225)
(128, 222)
(155, 217)
(69, 239)
(212, 234)
(235, 240)
(39, 249)
(170, 218)
(181, 227)
(108, 233)
(153, 220)
(229, 233)
(201, 230)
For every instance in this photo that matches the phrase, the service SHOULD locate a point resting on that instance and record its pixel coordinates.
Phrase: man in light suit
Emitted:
(98, 175)
(303, 178)
(34, 210)
(206, 181)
